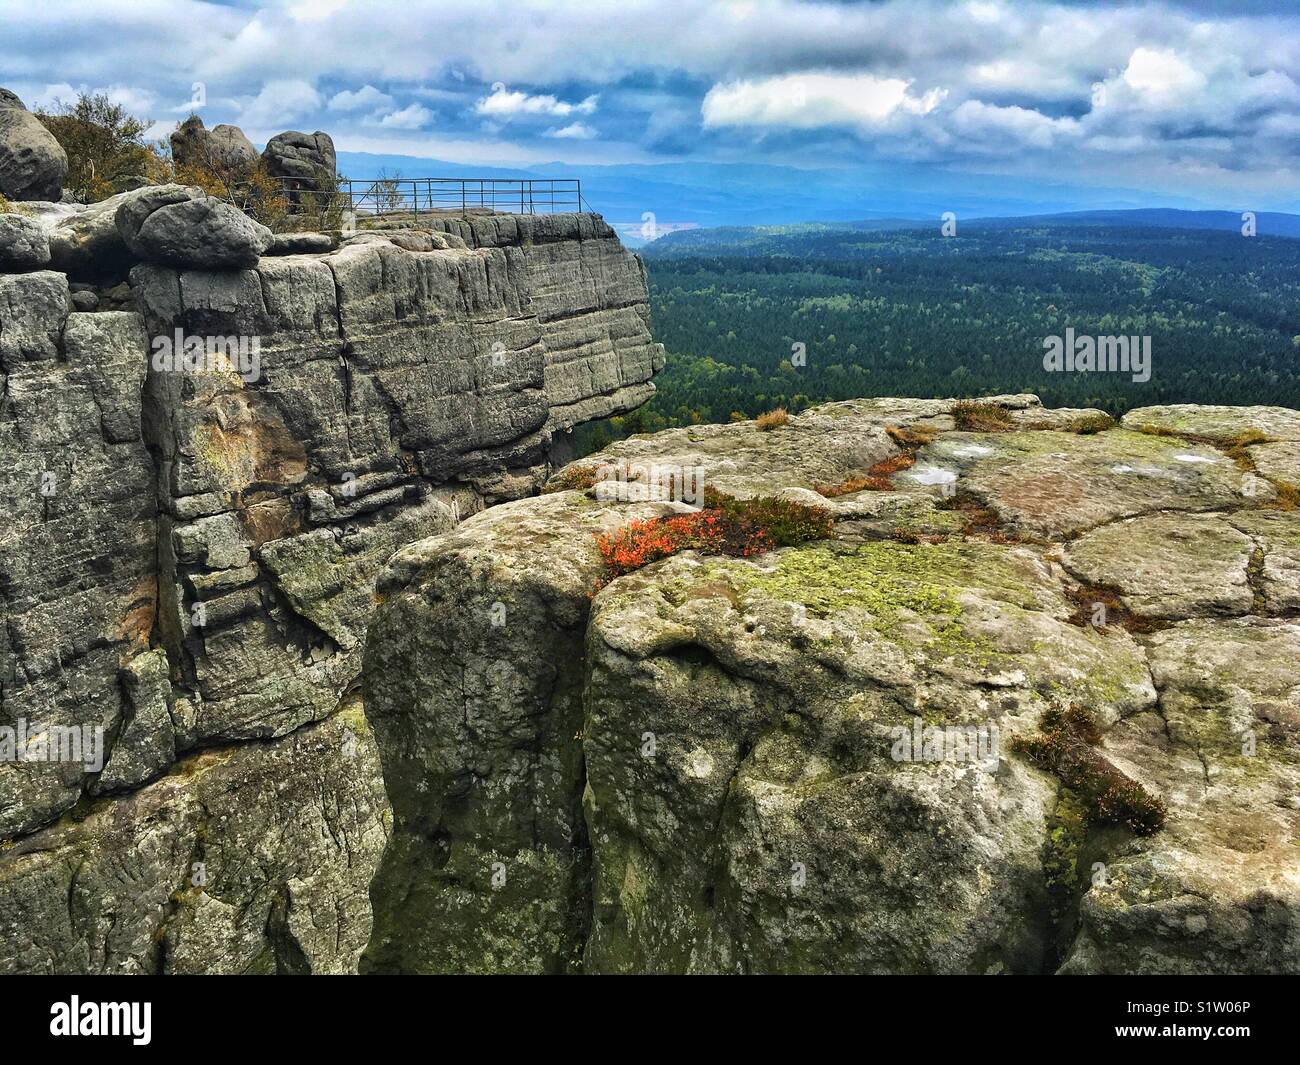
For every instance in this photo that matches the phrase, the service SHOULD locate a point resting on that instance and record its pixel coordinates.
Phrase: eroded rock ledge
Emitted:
(692, 770)
(189, 553)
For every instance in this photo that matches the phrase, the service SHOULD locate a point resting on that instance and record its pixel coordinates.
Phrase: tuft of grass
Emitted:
(1066, 748)
(773, 419)
(875, 480)
(1086, 598)
(910, 437)
(572, 478)
(1088, 424)
(739, 528)
(1288, 497)
(972, 416)
(1238, 447)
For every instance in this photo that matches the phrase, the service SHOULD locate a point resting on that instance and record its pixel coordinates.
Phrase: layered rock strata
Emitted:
(203, 490)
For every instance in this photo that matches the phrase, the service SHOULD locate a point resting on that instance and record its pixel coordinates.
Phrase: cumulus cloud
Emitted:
(278, 103)
(1161, 72)
(807, 101)
(365, 98)
(575, 131)
(413, 116)
(504, 104)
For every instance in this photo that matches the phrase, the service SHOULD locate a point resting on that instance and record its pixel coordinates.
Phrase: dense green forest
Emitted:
(909, 312)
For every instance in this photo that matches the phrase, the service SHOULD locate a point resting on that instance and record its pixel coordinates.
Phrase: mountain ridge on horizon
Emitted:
(1268, 224)
(711, 195)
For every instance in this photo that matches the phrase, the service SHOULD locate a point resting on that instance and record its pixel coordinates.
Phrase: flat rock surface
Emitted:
(1217, 423)
(748, 803)
(1169, 565)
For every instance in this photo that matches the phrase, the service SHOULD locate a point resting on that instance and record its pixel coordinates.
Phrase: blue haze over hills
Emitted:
(711, 195)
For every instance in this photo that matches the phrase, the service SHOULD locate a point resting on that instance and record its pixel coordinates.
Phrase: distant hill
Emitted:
(1267, 223)
(775, 239)
(744, 194)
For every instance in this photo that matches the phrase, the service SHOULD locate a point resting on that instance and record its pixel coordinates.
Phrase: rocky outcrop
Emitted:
(32, 163)
(249, 859)
(202, 491)
(78, 587)
(599, 352)
(738, 731)
(305, 160)
(223, 148)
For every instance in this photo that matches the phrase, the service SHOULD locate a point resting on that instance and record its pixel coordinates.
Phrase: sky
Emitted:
(1199, 100)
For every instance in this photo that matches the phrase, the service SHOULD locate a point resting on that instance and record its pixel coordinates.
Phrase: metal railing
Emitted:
(460, 195)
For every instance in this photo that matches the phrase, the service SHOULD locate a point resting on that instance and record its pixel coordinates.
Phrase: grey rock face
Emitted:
(746, 807)
(199, 583)
(189, 142)
(86, 244)
(77, 570)
(23, 244)
(486, 757)
(183, 226)
(307, 158)
(229, 148)
(300, 244)
(223, 148)
(32, 163)
(252, 859)
(598, 363)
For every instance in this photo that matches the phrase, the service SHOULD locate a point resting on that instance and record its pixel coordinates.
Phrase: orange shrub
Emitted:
(876, 479)
(726, 526)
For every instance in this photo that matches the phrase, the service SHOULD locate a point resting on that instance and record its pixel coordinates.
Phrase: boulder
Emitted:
(32, 163)
(223, 147)
(307, 159)
(23, 243)
(189, 143)
(183, 226)
(748, 799)
(229, 148)
(250, 859)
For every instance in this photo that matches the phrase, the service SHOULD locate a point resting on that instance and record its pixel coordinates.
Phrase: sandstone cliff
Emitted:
(1027, 701)
(188, 563)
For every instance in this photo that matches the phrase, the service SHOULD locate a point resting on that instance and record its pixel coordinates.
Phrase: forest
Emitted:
(759, 318)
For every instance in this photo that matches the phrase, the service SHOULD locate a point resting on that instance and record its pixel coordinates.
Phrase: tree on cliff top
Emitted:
(105, 144)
